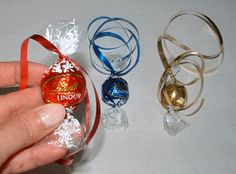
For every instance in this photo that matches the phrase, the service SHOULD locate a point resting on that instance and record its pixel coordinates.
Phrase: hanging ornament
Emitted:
(114, 51)
(179, 59)
(65, 83)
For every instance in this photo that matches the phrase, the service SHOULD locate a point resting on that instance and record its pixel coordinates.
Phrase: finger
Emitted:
(10, 73)
(19, 101)
(23, 130)
(33, 157)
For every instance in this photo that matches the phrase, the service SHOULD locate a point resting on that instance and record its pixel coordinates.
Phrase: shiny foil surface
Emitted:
(115, 91)
(63, 83)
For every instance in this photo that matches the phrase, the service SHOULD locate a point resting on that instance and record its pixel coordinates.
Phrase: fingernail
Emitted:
(52, 114)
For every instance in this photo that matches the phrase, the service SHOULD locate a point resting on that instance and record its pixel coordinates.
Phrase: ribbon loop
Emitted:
(126, 36)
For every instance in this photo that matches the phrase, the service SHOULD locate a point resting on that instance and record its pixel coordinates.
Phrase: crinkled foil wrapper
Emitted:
(65, 35)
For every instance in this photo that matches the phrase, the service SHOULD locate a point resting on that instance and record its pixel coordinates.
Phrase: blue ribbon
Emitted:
(100, 33)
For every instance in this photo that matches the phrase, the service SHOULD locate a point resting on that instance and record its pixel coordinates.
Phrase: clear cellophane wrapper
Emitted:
(74, 132)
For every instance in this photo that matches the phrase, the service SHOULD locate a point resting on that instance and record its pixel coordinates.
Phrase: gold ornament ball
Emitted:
(176, 94)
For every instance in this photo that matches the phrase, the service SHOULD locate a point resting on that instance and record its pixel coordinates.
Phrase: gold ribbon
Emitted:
(166, 94)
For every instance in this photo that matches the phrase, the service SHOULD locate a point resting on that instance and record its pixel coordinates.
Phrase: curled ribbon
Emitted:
(24, 84)
(102, 31)
(172, 93)
(216, 32)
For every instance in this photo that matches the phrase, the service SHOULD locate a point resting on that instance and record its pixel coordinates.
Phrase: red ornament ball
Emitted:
(63, 83)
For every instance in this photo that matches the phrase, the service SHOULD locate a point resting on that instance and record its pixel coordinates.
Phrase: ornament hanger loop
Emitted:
(114, 45)
(214, 30)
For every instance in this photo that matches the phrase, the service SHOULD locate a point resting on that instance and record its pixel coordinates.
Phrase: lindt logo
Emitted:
(64, 87)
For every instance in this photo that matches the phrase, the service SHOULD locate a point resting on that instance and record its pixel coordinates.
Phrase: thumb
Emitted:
(29, 127)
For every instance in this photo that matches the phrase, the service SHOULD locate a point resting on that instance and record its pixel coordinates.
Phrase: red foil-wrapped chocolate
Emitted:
(63, 83)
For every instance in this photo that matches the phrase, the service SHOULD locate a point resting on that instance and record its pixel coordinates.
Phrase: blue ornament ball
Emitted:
(115, 91)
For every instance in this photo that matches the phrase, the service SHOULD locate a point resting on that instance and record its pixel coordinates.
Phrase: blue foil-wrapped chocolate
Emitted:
(114, 50)
(115, 91)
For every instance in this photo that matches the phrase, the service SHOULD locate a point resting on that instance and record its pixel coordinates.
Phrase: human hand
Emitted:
(25, 120)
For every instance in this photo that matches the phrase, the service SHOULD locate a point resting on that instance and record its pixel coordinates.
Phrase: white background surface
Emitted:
(207, 147)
